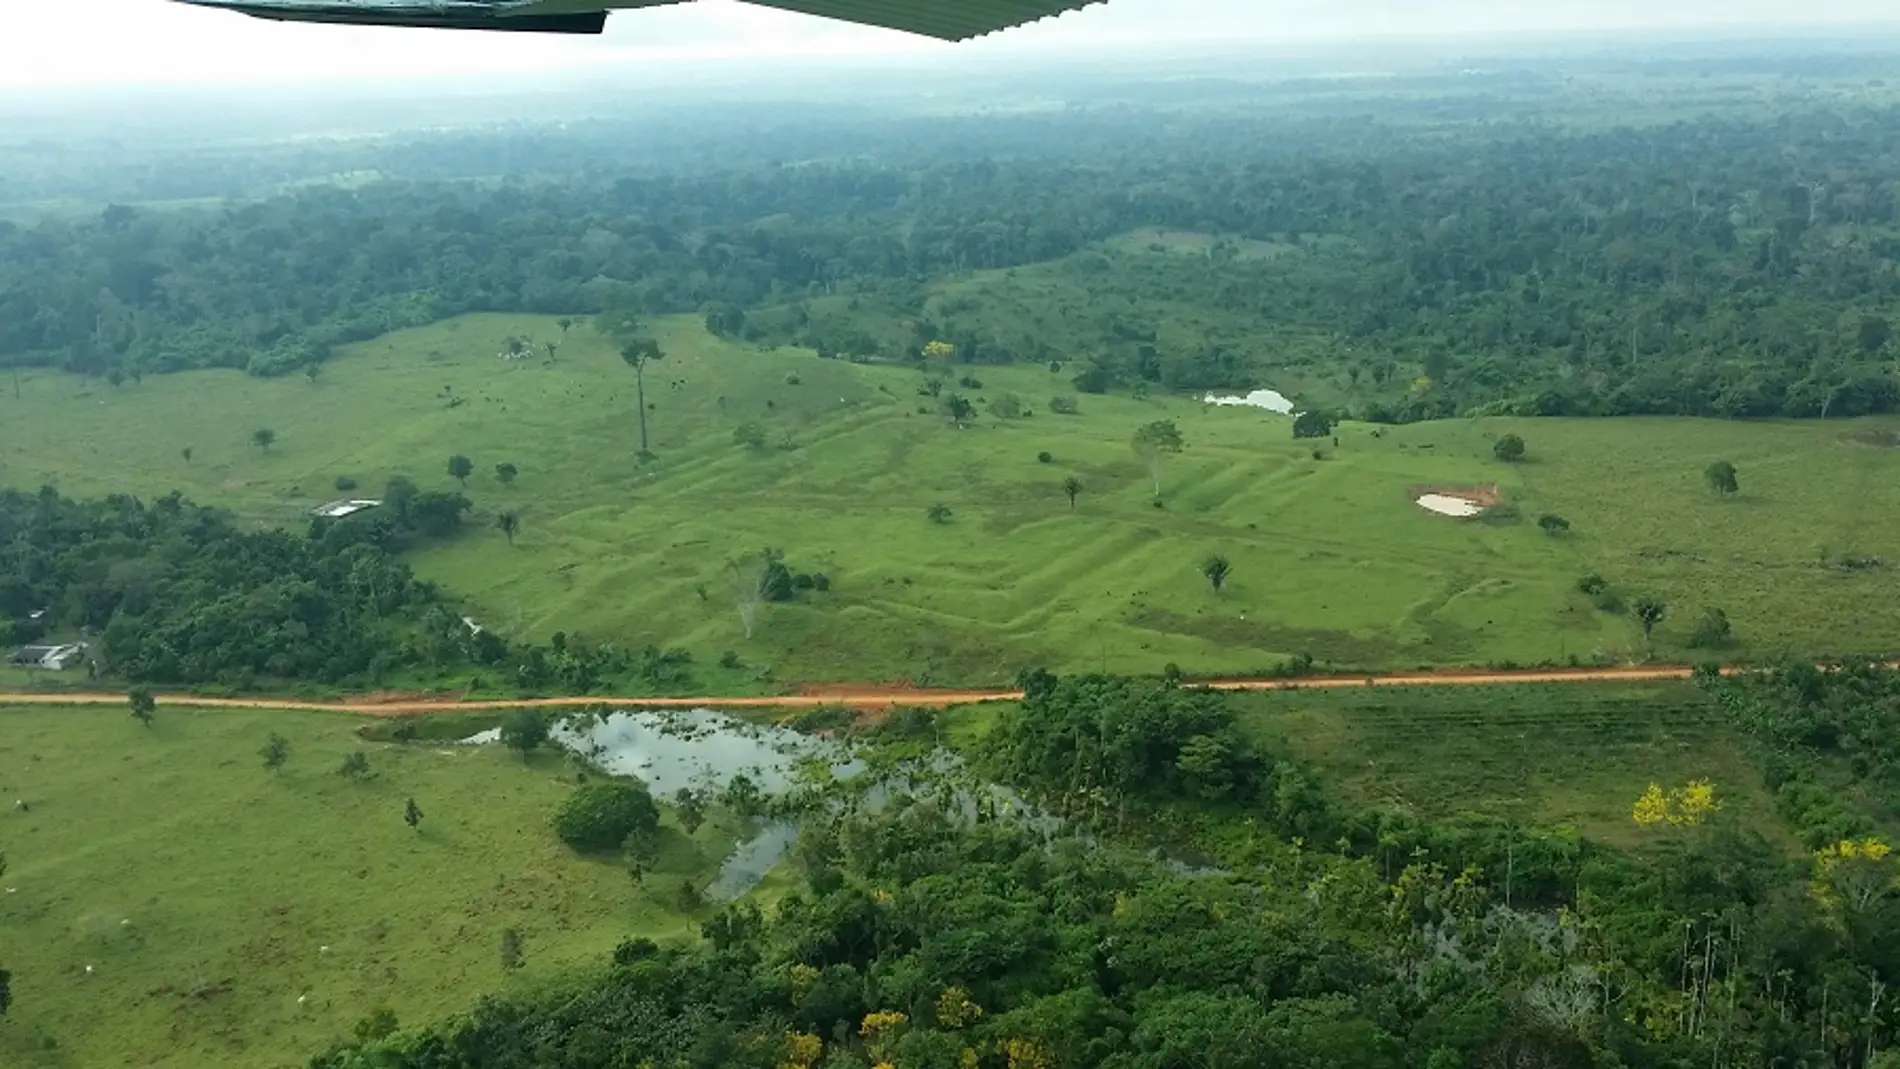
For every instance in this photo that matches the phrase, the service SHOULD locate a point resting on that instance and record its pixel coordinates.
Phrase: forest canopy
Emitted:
(1726, 265)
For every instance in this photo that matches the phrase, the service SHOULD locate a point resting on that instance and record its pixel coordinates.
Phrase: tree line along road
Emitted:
(867, 697)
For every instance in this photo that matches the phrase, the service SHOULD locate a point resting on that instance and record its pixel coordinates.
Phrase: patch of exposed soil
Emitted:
(1484, 497)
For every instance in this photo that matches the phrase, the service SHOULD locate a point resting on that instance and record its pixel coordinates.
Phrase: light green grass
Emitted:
(1539, 754)
(201, 888)
(1331, 557)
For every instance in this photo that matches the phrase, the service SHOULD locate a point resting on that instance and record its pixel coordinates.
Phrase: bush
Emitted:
(1608, 601)
(345, 483)
(599, 817)
(1064, 406)
(1712, 631)
(730, 660)
(970, 382)
(1096, 379)
(1593, 584)
(1313, 424)
(1045, 457)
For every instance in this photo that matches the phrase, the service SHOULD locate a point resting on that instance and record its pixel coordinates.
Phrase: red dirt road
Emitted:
(857, 697)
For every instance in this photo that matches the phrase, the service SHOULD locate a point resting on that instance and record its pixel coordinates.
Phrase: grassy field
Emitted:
(1540, 754)
(169, 902)
(1330, 556)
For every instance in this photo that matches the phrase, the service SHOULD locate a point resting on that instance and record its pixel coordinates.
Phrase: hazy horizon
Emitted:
(130, 43)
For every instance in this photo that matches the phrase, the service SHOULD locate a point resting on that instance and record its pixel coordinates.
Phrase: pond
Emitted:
(705, 748)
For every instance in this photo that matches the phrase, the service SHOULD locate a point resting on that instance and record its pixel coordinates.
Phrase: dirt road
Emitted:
(856, 697)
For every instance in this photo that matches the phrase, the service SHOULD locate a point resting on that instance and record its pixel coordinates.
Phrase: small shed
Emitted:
(336, 510)
(50, 658)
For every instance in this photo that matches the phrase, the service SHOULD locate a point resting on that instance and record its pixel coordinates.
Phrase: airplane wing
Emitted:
(950, 20)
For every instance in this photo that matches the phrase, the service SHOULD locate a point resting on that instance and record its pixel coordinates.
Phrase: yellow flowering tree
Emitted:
(1852, 874)
(940, 352)
(1691, 804)
(880, 1031)
(800, 1050)
(1028, 1054)
(804, 978)
(955, 1010)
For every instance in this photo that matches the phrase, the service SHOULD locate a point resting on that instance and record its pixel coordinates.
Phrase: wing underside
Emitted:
(952, 20)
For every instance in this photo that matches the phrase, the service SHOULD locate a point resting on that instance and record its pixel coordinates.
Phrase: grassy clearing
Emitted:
(1539, 754)
(201, 889)
(1330, 556)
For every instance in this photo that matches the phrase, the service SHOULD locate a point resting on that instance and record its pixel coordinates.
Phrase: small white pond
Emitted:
(1271, 400)
(1446, 505)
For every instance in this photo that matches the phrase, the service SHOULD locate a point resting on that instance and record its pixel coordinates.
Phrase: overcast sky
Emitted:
(102, 42)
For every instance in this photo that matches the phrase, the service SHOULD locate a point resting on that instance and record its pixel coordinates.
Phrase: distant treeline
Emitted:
(1723, 266)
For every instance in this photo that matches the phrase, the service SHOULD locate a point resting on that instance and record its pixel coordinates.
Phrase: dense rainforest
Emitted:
(1733, 264)
(932, 932)
(176, 593)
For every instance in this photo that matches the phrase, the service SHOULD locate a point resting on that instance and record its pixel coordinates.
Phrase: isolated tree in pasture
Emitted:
(1154, 444)
(749, 577)
(510, 950)
(6, 992)
(276, 751)
(688, 898)
(523, 731)
(355, 765)
(143, 704)
(958, 409)
(508, 523)
(506, 472)
(1650, 612)
(1217, 569)
(1713, 630)
(1313, 424)
(638, 353)
(1508, 448)
(566, 323)
(749, 436)
(186, 453)
(940, 352)
(438, 514)
(116, 377)
(1553, 524)
(311, 371)
(460, 468)
(691, 807)
(598, 817)
(938, 513)
(1072, 486)
(1722, 478)
(399, 497)
(263, 438)
(412, 814)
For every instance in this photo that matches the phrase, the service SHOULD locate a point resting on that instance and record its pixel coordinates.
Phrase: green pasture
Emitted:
(1547, 755)
(1330, 555)
(168, 901)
